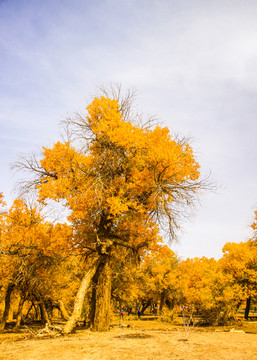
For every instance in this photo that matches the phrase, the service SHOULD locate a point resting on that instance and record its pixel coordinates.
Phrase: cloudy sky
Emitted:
(193, 63)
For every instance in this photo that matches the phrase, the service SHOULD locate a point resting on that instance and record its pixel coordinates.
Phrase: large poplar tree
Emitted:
(122, 181)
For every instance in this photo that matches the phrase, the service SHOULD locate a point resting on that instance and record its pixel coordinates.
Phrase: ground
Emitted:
(142, 340)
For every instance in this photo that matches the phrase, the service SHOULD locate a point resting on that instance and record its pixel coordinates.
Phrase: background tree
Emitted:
(31, 251)
(211, 292)
(121, 180)
(158, 274)
(150, 283)
(240, 261)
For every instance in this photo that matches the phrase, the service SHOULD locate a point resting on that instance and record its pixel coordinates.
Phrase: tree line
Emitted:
(125, 181)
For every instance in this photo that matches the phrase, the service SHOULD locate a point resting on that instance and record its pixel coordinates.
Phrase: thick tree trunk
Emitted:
(85, 283)
(170, 304)
(247, 307)
(61, 307)
(11, 309)
(19, 313)
(44, 313)
(101, 297)
(8, 294)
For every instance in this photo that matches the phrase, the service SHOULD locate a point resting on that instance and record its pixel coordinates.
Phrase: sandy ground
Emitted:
(133, 343)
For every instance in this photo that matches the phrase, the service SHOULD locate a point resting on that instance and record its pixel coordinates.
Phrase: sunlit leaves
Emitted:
(31, 248)
(240, 260)
(121, 172)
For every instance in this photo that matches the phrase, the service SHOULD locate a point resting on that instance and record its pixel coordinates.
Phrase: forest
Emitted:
(126, 186)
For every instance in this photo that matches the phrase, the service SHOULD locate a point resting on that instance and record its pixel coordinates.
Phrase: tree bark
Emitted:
(162, 302)
(11, 309)
(101, 297)
(247, 307)
(85, 283)
(8, 294)
(35, 306)
(61, 307)
(44, 313)
(145, 306)
(19, 313)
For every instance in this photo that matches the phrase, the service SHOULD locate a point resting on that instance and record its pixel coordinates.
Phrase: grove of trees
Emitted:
(125, 183)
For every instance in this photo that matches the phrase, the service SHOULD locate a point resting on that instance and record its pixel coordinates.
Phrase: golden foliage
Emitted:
(122, 174)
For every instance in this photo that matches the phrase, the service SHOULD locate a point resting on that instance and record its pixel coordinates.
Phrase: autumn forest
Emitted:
(126, 185)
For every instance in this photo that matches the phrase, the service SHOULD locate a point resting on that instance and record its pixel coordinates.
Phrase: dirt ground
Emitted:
(139, 341)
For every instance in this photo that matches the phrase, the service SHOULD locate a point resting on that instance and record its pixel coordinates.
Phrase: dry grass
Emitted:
(137, 340)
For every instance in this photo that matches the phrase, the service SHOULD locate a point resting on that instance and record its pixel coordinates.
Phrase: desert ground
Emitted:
(136, 340)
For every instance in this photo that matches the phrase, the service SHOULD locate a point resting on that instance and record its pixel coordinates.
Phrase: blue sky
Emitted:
(193, 63)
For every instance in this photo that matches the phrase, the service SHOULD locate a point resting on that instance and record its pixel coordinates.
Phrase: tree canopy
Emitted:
(122, 180)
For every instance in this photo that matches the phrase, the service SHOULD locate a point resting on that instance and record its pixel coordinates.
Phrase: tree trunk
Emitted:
(19, 313)
(247, 307)
(8, 294)
(11, 309)
(35, 307)
(44, 313)
(145, 306)
(161, 304)
(61, 307)
(170, 304)
(101, 297)
(85, 283)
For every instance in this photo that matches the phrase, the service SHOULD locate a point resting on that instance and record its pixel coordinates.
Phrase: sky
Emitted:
(192, 63)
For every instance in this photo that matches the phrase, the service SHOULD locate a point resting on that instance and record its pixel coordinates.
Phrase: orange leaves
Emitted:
(196, 277)
(205, 285)
(240, 260)
(218, 287)
(254, 227)
(25, 230)
(120, 173)
(172, 160)
(2, 202)
(58, 166)
(152, 155)
(32, 249)
(107, 124)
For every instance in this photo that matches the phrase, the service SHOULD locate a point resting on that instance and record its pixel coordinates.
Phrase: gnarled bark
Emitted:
(85, 283)
(11, 309)
(8, 294)
(19, 313)
(44, 313)
(61, 307)
(101, 297)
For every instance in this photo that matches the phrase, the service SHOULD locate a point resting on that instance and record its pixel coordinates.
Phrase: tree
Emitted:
(121, 180)
(211, 292)
(31, 251)
(240, 261)
(150, 283)
(158, 273)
